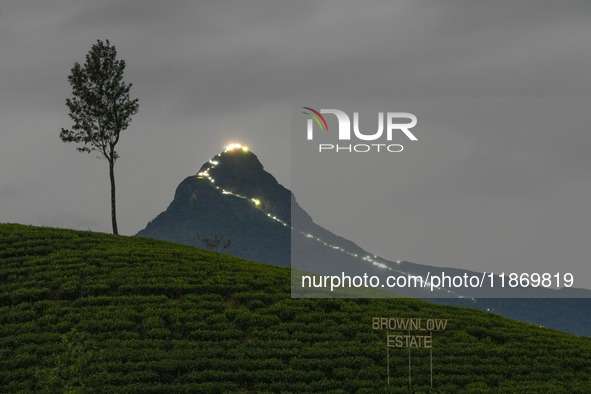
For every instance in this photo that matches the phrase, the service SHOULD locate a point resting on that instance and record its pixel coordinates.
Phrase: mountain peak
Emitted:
(235, 160)
(231, 195)
(237, 171)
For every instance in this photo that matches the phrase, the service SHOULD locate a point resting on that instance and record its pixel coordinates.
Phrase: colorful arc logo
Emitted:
(315, 115)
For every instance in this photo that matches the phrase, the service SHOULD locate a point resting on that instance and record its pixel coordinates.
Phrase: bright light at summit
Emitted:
(235, 146)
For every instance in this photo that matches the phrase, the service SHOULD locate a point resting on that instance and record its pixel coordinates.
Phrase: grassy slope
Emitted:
(82, 311)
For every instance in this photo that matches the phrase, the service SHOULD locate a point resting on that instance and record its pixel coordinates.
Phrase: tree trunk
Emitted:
(113, 207)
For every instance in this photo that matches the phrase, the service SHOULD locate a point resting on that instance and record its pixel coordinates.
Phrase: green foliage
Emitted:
(100, 106)
(86, 312)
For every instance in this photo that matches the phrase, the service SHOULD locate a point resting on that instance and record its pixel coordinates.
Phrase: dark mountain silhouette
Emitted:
(212, 203)
(233, 197)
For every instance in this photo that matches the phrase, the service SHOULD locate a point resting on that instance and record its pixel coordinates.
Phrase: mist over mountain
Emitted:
(232, 197)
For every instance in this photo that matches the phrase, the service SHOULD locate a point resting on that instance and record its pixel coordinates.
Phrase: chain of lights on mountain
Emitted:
(257, 202)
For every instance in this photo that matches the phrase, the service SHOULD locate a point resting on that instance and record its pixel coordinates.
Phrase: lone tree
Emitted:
(100, 107)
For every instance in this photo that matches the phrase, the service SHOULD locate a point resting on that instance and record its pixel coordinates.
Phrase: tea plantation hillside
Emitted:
(88, 312)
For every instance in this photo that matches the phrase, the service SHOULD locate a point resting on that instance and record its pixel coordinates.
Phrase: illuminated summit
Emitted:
(204, 173)
(235, 146)
(231, 195)
(237, 172)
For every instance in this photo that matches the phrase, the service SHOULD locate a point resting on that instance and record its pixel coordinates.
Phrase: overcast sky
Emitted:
(212, 72)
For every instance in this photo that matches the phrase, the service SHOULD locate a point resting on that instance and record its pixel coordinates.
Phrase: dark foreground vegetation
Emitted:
(88, 312)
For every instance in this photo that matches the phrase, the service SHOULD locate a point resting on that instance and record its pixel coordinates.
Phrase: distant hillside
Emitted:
(88, 312)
